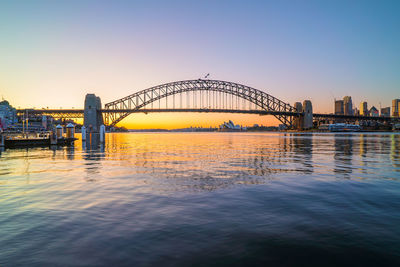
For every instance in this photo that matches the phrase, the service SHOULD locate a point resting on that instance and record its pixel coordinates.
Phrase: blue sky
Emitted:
(294, 50)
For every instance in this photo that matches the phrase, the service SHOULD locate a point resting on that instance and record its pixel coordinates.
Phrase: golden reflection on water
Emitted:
(153, 189)
(131, 164)
(205, 160)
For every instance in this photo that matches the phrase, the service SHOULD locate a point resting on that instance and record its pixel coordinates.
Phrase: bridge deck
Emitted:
(78, 113)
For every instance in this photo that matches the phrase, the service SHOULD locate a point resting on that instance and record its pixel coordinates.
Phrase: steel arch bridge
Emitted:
(199, 96)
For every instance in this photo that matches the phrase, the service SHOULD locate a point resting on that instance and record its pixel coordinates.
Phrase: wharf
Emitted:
(12, 140)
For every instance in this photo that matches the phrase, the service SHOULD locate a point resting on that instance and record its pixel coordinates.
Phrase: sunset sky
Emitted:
(54, 52)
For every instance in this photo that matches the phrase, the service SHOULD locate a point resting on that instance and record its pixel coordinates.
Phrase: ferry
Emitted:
(340, 127)
(10, 139)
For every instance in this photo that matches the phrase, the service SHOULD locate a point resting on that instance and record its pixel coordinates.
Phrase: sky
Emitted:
(52, 53)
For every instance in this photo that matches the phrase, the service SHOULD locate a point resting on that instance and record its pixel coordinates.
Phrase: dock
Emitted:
(18, 140)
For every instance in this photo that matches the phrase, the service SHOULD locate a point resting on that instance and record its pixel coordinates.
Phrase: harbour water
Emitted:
(204, 199)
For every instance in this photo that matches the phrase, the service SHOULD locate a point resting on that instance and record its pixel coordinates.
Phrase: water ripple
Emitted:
(204, 199)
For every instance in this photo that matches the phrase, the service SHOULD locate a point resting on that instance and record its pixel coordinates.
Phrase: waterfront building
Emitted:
(374, 112)
(339, 107)
(364, 108)
(385, 112)
(347, 105)
(230, 126)
(395, 107)
(8, 115)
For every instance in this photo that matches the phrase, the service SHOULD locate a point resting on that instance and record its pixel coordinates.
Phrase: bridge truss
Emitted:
(199, 96)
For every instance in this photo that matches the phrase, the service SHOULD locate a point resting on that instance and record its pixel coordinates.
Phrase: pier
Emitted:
(43, 138)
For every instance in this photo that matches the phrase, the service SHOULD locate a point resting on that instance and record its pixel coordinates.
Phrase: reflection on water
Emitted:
(179, 199)
(343, 154)
(216, 160)
(94, 152)
(395, 151)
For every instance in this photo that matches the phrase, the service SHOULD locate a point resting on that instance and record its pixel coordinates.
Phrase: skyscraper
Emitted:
(364, 109)
(395, 107)
(385, 112)
(348, 105)
(339, 109)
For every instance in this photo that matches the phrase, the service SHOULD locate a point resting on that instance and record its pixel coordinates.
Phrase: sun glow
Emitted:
(185, 120)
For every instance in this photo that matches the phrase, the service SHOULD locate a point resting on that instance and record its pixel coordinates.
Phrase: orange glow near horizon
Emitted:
(176, 120)
(184, 120)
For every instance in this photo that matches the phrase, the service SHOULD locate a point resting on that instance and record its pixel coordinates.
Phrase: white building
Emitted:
(230, 126)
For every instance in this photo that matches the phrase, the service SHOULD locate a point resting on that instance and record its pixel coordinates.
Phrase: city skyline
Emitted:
(293, 50)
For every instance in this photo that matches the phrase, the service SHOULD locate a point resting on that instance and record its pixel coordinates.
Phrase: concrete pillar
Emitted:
(102, 133)
(44, 122)
(53, 138)
(308, 114)
(298, 121)
(83, 131)
(92, 118)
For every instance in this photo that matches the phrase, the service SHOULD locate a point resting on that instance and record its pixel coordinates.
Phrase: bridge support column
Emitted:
(92, 117)
(298, 121)
(308, 114)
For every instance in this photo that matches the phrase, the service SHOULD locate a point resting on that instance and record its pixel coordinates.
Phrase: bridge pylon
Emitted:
(92, 117)
(307, 115)
(298, 121)
(305, 120)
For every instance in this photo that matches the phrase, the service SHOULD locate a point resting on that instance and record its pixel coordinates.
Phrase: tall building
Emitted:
(395, 107)
(339, 107)
(363, 109)
(385, 112)
(347, 105)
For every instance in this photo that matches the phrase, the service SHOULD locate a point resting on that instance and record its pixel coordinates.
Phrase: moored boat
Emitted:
(17, 140)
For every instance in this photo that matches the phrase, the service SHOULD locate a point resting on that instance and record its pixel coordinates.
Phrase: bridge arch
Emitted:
(139, 100)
